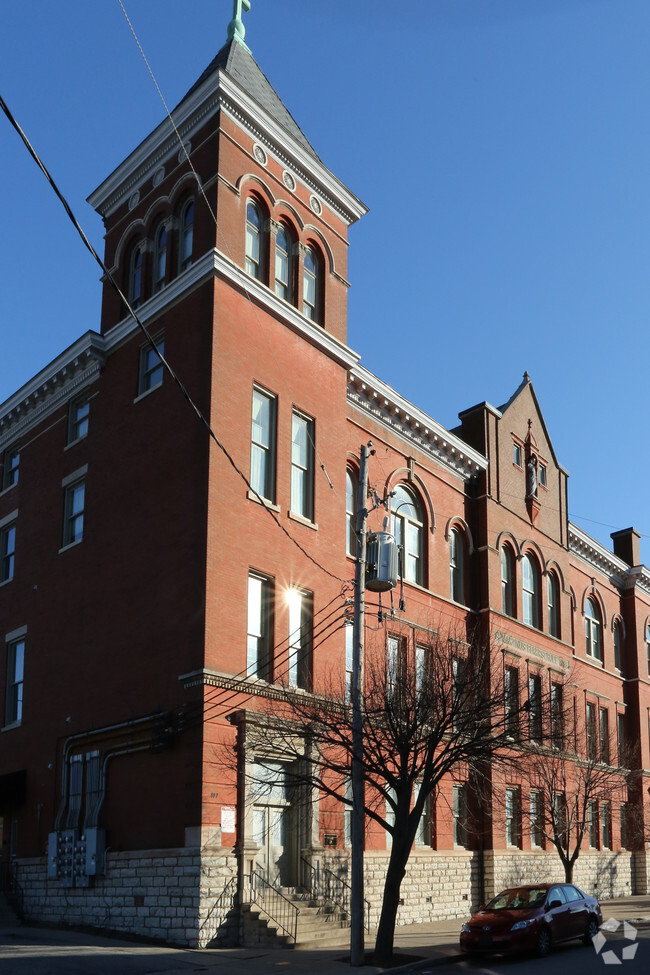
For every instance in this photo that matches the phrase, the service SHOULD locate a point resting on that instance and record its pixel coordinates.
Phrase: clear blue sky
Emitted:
(502, 147)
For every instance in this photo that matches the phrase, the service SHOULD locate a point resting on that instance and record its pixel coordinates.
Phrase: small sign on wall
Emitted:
(227, 819)
(330, 839)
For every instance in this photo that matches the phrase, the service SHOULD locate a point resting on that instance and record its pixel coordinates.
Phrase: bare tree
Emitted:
(575, 774)
(424, 718)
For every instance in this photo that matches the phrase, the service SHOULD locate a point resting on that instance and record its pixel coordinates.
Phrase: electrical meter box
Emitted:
(381, 562)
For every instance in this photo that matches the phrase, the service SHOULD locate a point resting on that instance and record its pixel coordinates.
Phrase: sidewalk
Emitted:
(423, 946)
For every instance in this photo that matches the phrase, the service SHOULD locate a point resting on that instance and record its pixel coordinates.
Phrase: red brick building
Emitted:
(149, 601)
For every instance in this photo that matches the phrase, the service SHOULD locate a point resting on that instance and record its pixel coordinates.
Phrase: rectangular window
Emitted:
(604, 735)
(459, 674)
(605, 826)
(421, 667)
(592, 734)
(559, 816)
(349, 656)
(11, 468)
(516, 454)
(300, 638)
(302, 466)
(536, 819)
(542, 474)
(461, 832)
(535, 702)
(620, 729)
(512, 817)
(592, 824)
(623, 821)
(557, 716)
(511, 693)
(260, 627)
(7, 552)
(73, 516)
(78, 419)
(394, 663)
(263, 440)
(15, 672)
(423, 832)
(151, 368)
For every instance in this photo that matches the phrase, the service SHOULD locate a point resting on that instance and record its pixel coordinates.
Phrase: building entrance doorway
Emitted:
(274, 825)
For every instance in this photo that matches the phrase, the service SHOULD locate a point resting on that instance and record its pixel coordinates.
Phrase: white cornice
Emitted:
(217, 92)
(75, 368)
(376, 398)
(598, 557)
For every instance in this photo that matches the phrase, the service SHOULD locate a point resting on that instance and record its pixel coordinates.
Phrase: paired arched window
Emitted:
(456, 566)
(186, 237)
(553, 604)
(283, 263)
(507, 581)
(408, 529)
(530, 590)
(159, 258)
(253, 240)
(310, 284)
(350, 512)
(593, 629)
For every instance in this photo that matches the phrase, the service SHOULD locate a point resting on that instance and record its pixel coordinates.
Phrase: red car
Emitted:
(533, 918)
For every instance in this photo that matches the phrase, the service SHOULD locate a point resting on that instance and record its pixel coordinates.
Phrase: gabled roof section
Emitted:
(527, 384)
(237, 61)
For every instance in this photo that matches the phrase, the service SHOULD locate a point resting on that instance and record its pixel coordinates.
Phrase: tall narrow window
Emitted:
(160, 258)
(350, 512)
(186, 241)
(456, 566)
(408, 531)
(531, 591)
(347, 812)
(260, 627)
(15, 676)
(553, 602)
(300, 638)
(516, 454)
(536, 819)
(647, 644)
(557, 716)
(622, 812)
(535, 707)
(592, 732)
(302, 466)
(73, 520)
(603, 721)
(78, 419)
(507, 581)
(459, 675)
(393, 664)
(422, 663)
(559, 816)
(253, 240)
(459, 811)
(7, 552)
(511, 695)
(135, 276)
(618, 645)
(283, 263)
(349, 657)
(592, 824)
(11, 468)
(593, 630)
(310, 285)
(512, 817)
(151, 368)
(263, 444)
(620, 735)
(423, 831)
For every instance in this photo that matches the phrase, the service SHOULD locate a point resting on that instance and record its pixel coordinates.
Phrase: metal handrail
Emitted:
(275, 905)
(325, 885)
(224, 903)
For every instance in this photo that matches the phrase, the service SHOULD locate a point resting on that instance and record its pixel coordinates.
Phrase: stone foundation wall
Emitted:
(602, 874)
(161, 894)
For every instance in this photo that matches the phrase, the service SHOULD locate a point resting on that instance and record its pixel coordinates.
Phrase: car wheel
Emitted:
(591, 932)
(543, 942)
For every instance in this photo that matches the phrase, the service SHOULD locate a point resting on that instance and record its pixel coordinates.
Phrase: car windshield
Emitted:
(517, 899)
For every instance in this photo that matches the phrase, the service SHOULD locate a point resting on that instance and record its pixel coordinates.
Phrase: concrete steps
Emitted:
(319, 926)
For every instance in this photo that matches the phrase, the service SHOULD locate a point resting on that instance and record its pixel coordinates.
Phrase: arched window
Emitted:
(283, 263)
(618, 645)
(456, 566)
(350, 512)
(531, 591)
(507, 581)
(647, 645)
(311, 285)
(186, 240)
(254, 240)
(135, 276)
(160, 258)
(407, 524)
(553, 602)
(593, 630)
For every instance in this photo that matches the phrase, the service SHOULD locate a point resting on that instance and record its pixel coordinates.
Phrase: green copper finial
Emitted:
(236, 29)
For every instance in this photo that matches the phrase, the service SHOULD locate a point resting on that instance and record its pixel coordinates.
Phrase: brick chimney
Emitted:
(626, 545)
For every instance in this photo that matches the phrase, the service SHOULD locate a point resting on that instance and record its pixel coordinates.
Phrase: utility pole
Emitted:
(358, 816)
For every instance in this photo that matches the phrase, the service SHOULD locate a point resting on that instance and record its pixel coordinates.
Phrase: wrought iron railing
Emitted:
(11, 888)
(219, 911)
(281, 911)
(326, 886)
